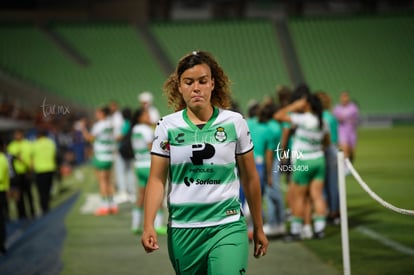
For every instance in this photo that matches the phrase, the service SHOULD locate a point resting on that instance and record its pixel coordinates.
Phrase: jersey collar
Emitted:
(208, 123)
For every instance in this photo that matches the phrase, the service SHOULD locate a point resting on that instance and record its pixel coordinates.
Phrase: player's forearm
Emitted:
(254, 200)
(154, 194)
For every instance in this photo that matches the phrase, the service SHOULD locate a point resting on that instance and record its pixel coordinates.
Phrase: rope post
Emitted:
(344, 215)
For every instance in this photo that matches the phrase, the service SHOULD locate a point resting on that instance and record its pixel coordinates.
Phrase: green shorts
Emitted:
(308, 170)
(212, 250)
(101, 165)
(142, 176)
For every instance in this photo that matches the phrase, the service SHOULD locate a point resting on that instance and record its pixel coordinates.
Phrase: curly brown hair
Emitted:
(221, 95)
(325, 99)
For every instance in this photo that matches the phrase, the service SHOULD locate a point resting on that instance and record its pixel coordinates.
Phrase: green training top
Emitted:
(332, 122)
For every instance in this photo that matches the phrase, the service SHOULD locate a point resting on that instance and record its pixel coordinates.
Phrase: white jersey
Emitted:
(142, 135)
(204, 183)
(154, 114)
(104, 140)
(308, 137)
(117, 122)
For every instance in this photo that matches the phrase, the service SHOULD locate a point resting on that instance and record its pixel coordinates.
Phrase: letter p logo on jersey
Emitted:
(202, 151)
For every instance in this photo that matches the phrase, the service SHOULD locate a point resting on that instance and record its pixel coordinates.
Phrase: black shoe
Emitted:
(292, 238)
(319, 235)
(336, 220)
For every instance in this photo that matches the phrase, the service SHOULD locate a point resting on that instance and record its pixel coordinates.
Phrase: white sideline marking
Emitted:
(385, 241)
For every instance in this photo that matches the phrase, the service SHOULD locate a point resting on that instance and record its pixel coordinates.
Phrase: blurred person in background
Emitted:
(284, 95)
(4, 187)
(275, 214)
(127, 164)
(205, 152)
(142, 137)
(331, 151)
(259, 133)
(117, 121)
(347, 114)
(21, 191)
(146, 100)
(79, 143)
(252, 111)
(103, 142)
(308, 160)
(44, 163)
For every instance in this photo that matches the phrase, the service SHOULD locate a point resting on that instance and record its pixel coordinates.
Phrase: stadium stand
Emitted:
(248, 50)
(370, 56)
(119, 65)
(28, 56)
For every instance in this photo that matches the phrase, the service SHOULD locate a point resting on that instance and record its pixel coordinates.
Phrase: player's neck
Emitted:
(200, 116)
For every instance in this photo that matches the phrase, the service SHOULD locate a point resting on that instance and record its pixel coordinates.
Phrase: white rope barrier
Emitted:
(374, 195)
(342, 162)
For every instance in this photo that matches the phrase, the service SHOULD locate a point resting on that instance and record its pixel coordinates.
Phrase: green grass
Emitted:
(104, 245)
(384, 161)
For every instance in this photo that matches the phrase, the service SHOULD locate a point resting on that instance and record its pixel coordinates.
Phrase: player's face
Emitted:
(145, 118)
(196, 85)
(99, 115)
(344, 98)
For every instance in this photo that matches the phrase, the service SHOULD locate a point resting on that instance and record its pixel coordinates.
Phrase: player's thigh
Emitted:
(230, 255)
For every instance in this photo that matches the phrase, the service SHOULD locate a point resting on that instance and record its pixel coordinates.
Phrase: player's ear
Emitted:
(179, 87)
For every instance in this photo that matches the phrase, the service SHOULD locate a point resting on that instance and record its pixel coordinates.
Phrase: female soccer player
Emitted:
(308, 161)
(204, 151)
(141, 139)
(102, 137)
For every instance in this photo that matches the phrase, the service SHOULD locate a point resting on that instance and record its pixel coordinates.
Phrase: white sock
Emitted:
(159, 219)
(307, 231)
(319, 223)
(104, 202)
(136, 218)
(112, 202)
(296, 225)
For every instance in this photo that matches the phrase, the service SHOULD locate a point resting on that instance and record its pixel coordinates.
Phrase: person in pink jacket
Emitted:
(347, 114)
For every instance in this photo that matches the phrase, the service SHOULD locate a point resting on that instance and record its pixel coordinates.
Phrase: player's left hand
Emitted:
(260, 243)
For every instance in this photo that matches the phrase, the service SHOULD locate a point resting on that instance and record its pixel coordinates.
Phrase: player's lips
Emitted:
(197, 98)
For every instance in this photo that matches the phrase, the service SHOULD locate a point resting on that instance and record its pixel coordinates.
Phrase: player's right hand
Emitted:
(149, 241)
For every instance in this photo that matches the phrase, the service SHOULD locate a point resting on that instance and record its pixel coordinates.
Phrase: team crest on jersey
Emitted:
(165, 145)
(220, 134)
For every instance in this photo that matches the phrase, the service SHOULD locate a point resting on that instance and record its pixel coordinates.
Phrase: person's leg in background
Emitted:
(275, 205)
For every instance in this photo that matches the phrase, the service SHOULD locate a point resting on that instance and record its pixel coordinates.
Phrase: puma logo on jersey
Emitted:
(201, 152)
